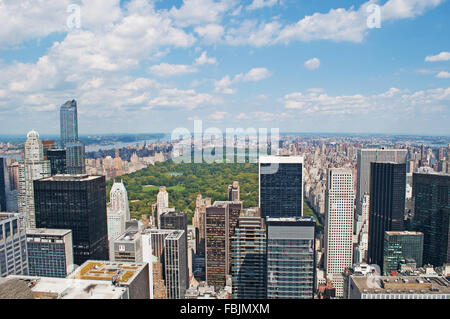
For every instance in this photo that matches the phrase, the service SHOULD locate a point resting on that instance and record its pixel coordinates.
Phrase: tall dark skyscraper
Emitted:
(387, 205)
(76, 202)
(57, 158)
(291, 261)
(281, 186)
(4, 177)
(431, 193)
(69, 138)
(69, 123)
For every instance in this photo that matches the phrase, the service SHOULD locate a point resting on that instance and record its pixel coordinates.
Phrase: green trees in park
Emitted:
(185, 180)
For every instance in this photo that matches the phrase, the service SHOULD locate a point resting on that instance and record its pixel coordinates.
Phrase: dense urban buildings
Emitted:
(281, 186)
(431, 194)
(339, 225)
(50, 252)
(76, 202)
(291, 260)
(387, 205)
(175, 264)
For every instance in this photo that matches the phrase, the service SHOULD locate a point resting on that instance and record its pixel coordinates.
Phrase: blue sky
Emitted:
(297, 65)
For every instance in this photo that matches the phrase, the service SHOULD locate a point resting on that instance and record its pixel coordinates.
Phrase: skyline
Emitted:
(301, 66)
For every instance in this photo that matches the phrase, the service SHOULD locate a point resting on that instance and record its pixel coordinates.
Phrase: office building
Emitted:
(281, 186)
(398, 287)
(234, 192)
(291, 260)
(387, 205)
(175, 265)
(32, 168)
(339, 217)
(199, 223)
(220, 221)
(68, 123)
(76, 202)
(13, 245)
(50, 252)
(128, 246)
(248, 262)
(4, 185)
(367, 156)
(162, 205)
(431, 193)
(57, 158)
(401, 246)
(133, 276)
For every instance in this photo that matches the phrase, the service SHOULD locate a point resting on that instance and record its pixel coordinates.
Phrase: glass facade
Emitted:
(431, 193)
(77, 203)
(399, 246)
(13, 245)
(69, 123)
(281, 193)
(57, 158)
(291, 262)
(387, 205)
(47, 259)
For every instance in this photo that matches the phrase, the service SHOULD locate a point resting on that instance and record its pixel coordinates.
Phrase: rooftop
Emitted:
(403, 284)
(70, 178)
(122, 272)
(48, 232)
(405, 232)
(281, 159)
(65, 288)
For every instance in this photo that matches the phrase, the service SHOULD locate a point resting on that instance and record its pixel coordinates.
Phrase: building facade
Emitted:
(76, 202)
(175, 265)
(401, 246)
(431, 193)
(291, 260)
(281, 186)
(387, 205)
(13, 245)
(50, 252)
(339, 225)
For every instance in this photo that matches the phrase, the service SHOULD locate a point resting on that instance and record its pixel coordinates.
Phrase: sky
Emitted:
(146, 66)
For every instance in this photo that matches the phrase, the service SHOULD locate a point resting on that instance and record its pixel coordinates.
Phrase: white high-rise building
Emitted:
(118, 213)
(32, 168)
(162, 204)
(339, 218)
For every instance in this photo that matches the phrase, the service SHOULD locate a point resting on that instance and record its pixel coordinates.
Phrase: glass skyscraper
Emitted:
(291, 262)
(400, 246)
(387, 205)
(69, 123)
(431, 193)
(281, 186)
(76, 202)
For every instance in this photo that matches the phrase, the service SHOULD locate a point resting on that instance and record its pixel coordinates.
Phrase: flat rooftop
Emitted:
(123, 272)
(175, 235)
(403, 284)
(70, 178)
(65, 288)
(403, 233)
(291, 219)
(282, 159)
(48, 232)
(129, 236)
(4, 216)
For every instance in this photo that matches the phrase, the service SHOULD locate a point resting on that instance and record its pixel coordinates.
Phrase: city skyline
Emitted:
(297, 65)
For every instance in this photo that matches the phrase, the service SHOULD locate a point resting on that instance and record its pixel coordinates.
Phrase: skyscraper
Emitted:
(387, 205)
(76, 202)
(175, 263)
(431, 193)
(75, 158)
(50, 252)
(339, 225)
(234, 192)
(199, 223)
(248, 262)
(4, 185)
(401, 246)
(367, 156)
(68, 123)
(57, 158)
(32, 168)
(281, 186)
(162, 204)
(291, 260)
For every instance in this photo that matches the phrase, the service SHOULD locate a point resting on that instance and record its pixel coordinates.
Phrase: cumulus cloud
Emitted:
(211, 33)
(312, 64)
(167, 70)
(443, 75)
(204, 59)
(259, 4)
(254, 75)
(443, 56)
(219, 115)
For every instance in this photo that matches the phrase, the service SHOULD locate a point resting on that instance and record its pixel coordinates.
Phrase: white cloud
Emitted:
(312, 64)
(402, 9)
(254, 75)
(167, 70)
(394, 101)
(219, 115)
(211, 33)
(443, 75)
(443, 56)
(188, 99)
(203, 59)
(259, 4)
